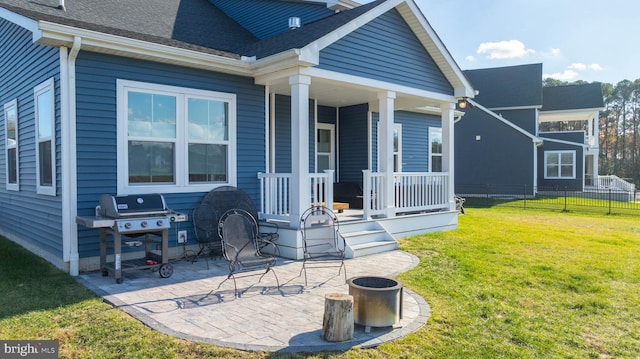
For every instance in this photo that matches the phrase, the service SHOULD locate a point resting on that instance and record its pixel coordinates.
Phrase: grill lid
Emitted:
(132, 205)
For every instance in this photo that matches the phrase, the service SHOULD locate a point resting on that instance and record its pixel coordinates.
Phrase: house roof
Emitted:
(572, 97)
(190, 24)
(508, 87)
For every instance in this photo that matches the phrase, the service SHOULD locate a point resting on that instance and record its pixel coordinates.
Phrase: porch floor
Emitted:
(187, 306)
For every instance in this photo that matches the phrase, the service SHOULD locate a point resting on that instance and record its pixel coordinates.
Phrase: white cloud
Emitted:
(504, 49)
(470, 58)
(577, 66)
(595, 67)
(566, 75)
(555, 52)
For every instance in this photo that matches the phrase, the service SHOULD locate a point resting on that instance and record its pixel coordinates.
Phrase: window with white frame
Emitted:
(397, 147)
(174, 139)
(44, 99)
(11, 145)
(435, 149)
(560, 164)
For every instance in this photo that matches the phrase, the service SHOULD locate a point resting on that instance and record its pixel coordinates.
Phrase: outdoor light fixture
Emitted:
(464, 103)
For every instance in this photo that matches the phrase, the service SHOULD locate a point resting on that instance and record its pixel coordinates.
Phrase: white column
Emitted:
(300, 199)
(596, 145)
(385, 148)
(448, 153)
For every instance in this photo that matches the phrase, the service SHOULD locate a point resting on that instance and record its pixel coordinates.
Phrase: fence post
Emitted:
(487, 193)
(525, 196)
(565, 199)
(609, 200)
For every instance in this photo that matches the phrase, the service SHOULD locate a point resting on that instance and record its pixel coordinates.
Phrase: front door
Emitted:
(325, 147)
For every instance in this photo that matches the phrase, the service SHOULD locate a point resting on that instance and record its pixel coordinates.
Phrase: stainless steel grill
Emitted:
(133, 216)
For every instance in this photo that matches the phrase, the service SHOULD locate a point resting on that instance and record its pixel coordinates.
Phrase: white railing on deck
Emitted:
(275, 193)
(413, 192)
(420, 191)
(615, 183)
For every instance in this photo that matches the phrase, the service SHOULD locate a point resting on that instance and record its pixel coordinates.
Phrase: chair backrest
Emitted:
(239, 232)
(320, 232)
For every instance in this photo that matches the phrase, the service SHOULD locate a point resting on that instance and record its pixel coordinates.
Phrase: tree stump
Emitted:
(337, 324)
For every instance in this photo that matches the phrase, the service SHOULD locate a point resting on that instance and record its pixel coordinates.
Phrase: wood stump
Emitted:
(337, 324)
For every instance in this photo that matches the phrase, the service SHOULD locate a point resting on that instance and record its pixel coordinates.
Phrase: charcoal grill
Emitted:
(134, 216)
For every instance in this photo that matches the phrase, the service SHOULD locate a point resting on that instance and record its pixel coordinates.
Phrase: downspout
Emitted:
(69, 163)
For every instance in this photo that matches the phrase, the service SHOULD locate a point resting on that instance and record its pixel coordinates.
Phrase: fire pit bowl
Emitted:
(377, 301)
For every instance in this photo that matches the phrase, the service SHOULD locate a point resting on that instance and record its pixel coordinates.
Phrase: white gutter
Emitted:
(69, 163)
(535, 139)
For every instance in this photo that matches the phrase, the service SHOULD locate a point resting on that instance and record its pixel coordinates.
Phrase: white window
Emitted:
(11, 145)
(560, 164)
(174, 139)
(435, 149)
(44, 99)
(397, 147)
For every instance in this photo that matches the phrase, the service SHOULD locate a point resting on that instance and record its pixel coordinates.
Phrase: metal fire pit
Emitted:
(377, 301)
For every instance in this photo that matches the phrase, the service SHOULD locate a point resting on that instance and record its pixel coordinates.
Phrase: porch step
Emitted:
(366, 237)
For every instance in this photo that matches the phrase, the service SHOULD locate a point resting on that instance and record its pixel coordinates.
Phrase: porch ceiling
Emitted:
(330, 93)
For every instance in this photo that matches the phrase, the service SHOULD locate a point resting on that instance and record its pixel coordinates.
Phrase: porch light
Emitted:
(463, 103)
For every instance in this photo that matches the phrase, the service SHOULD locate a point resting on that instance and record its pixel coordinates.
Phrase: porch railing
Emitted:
(615, 183)
(275, 193)
(413, 192)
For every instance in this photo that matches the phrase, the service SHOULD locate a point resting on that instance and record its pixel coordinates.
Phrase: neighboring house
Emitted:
(181, 97)
(521, 138)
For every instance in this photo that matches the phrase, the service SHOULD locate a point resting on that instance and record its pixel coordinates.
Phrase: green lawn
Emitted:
(509, 283)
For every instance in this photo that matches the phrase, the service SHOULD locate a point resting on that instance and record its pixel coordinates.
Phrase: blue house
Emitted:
(521, 138)
(278, 98)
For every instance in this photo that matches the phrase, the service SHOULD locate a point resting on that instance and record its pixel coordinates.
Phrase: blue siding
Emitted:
(525, 119)
(283, 135)
(386, 49)
(96, 129)
(353, 143)
(502, 157)
(265, 18)
(415, 139)
(34, 218)
(561, 184)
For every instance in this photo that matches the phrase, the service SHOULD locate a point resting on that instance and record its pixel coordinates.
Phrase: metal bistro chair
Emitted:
(323, 244)
(241, 248)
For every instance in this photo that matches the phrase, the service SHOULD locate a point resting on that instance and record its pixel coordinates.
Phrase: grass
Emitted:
(507, 284)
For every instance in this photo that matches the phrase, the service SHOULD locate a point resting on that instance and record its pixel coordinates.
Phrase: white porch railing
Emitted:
(275, 193)
(414, 191)
(615, 183)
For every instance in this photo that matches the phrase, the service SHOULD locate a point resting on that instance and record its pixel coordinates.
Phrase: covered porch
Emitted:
(395, 203)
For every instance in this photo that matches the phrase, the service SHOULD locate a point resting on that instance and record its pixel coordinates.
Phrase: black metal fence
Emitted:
(607, 200)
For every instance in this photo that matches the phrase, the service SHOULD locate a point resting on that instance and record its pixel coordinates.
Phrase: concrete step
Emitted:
(359, 237)
(368, 248)
(366, 237)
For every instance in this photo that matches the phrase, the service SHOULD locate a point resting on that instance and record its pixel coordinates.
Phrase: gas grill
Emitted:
(134, 216)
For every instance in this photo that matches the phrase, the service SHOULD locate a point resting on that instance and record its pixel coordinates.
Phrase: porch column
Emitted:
(448, 149)
(300, 198)
(596, 140)
(385, 149)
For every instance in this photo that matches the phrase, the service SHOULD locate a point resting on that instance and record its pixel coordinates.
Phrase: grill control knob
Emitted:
(127, 225)
(159, 223)
(143, 224)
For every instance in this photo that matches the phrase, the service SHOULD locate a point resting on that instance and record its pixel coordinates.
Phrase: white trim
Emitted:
(22, 21)
(267, 127)
(559, 153)
(513, 108)
(12, 105)
(505, 121)
(63, 35)
(181, 141)
(46, 86)
(398, 127)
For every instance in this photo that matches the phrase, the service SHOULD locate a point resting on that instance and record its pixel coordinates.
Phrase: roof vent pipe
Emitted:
(294, 23)
(61, 5)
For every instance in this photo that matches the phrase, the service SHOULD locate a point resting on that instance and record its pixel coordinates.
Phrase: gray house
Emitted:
(277, 98)
(520, 138)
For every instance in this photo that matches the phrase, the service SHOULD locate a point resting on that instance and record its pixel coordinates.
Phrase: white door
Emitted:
(325, 147)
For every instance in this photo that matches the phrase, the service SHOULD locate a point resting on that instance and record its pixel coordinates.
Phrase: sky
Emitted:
(585, 40)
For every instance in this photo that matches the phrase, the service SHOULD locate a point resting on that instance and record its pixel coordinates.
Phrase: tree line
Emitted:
(619, 128)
